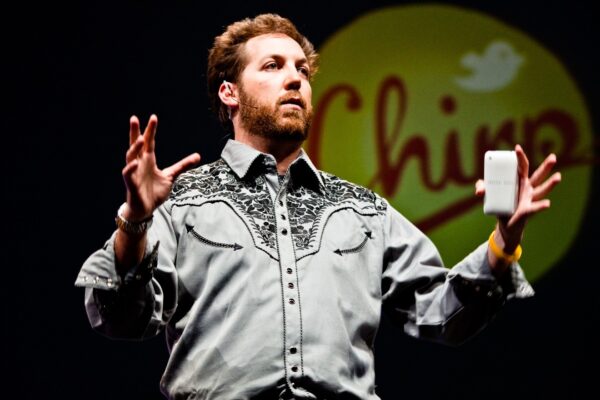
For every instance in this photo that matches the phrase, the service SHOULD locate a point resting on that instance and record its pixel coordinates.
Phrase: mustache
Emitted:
(293, 97)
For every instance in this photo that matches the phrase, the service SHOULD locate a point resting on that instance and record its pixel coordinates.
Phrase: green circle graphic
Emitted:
(409, 97)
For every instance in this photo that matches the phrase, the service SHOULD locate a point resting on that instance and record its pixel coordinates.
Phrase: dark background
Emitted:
(77, 72)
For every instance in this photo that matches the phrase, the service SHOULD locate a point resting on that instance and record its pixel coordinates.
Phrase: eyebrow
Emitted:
(302, 60)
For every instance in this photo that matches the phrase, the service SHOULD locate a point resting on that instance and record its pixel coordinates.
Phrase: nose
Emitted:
(293, 79)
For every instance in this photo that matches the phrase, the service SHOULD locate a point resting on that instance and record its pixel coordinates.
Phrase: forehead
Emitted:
(272, 44)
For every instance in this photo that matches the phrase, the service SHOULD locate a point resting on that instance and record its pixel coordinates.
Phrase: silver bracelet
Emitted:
(131, 226)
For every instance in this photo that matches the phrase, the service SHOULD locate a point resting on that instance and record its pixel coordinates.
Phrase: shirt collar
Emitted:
(240, 158)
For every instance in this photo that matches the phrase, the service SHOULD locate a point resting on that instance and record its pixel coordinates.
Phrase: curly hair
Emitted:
(226, 61)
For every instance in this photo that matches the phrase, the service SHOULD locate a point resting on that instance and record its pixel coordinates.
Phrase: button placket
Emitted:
(287, 264)
(293, 321)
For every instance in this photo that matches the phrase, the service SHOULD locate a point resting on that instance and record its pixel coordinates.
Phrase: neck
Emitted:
(284, 151)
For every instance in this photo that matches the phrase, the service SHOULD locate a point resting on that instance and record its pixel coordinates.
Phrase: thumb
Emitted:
(479, 188)
(174, 170)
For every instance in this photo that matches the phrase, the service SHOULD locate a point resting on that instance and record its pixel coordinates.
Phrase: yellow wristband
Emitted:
(508, 258)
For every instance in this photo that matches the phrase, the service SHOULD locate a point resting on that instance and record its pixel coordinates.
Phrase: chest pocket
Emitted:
(351, 252)
(230, 244)
(348, 233)
(217, 226)
(214, 243)
(368, 235)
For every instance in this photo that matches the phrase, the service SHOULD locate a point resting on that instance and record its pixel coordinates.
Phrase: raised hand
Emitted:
(147, 185)
(533, 191)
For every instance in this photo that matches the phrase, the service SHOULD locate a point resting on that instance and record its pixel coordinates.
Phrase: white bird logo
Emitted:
(495, 69)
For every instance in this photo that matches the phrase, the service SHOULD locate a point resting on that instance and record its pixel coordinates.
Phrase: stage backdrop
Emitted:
(409, 97)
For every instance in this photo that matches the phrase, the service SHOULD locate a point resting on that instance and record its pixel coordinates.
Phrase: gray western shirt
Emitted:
(273, 288)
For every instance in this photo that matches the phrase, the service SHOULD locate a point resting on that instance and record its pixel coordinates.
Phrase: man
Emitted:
(269, 275)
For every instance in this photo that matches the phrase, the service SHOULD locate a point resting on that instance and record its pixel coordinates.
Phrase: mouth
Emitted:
(293, 102)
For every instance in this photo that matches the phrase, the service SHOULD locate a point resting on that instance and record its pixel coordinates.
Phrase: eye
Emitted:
(271, 65)
(304, 71)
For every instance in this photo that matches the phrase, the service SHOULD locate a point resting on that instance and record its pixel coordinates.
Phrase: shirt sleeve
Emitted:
(139, 303)
(433, 302)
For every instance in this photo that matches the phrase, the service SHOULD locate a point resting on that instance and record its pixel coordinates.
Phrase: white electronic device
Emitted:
(500, 177)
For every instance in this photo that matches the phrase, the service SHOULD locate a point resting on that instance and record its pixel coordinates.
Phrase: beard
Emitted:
(271, 121)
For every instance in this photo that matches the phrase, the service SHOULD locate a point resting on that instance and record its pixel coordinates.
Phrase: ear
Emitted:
(227, 94)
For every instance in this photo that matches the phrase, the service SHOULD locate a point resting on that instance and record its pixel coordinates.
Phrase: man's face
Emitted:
(274, 89)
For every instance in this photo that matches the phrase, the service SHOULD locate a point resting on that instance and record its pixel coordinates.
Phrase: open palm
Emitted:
(147, 185)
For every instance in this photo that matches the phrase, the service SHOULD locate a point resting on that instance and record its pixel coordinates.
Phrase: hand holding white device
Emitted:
(501, 182)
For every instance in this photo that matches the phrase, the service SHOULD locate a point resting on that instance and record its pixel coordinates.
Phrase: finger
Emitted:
(174, 170)
(543, 170)
(134, 129)
(128, 172)
(134, 150)
(479, 187)
(542, 190)
(150, 133)
(538, 206)
(523, 162)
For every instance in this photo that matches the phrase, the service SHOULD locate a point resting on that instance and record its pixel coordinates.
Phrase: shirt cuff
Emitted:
(475, 273)
(99, 270)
